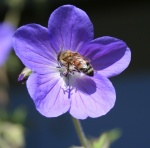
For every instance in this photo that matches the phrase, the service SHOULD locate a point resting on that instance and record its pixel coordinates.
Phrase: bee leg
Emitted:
(67, 66)
(76, 69)
(65, 73)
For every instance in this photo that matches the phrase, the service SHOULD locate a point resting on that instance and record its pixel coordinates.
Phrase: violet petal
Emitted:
(32, 46)
(69, 28)
(108, 55)
(91, 97)
(48, 95)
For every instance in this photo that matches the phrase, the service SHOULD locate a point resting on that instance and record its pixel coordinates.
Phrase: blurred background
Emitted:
(129, 21)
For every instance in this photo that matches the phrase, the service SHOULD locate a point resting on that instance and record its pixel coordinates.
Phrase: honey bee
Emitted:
(73, 61)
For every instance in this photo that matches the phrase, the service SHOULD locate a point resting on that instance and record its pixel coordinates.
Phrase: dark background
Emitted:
(129, 21)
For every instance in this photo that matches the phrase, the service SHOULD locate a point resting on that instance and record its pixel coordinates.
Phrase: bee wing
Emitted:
(86, 59)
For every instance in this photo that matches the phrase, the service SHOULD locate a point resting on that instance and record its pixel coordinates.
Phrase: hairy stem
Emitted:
(80, 133)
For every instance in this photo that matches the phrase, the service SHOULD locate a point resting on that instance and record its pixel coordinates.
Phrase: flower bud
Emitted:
(26, 72)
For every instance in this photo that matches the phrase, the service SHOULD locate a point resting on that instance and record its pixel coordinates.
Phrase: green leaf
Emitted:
(11, 135)
(106, 139)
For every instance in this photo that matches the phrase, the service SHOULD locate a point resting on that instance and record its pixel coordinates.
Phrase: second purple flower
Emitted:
(6, 32)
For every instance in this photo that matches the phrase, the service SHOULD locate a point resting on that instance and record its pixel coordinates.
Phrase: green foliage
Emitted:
(106, 139)
(13, 65)
(12, 128)
(11, 135)
(17, 116)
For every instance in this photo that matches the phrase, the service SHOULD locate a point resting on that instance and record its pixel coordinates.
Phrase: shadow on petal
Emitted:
(84, 84)
(108, 59)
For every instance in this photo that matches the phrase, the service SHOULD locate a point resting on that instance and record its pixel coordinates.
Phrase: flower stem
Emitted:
(80, 133)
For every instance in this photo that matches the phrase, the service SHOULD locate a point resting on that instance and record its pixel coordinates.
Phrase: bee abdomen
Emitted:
(88, 70)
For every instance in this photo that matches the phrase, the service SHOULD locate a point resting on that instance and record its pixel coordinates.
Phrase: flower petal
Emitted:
(109, 56)
(6, 32)
(32, 46)
(92, 97)
(48, 95)
(69, 28)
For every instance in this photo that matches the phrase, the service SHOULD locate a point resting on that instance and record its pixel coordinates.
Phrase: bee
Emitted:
(73, 61)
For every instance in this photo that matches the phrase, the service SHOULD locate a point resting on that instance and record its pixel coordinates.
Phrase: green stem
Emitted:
(80, 133)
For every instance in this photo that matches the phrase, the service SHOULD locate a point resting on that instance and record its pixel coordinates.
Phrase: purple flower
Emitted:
(57, 87)
(6, 32)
